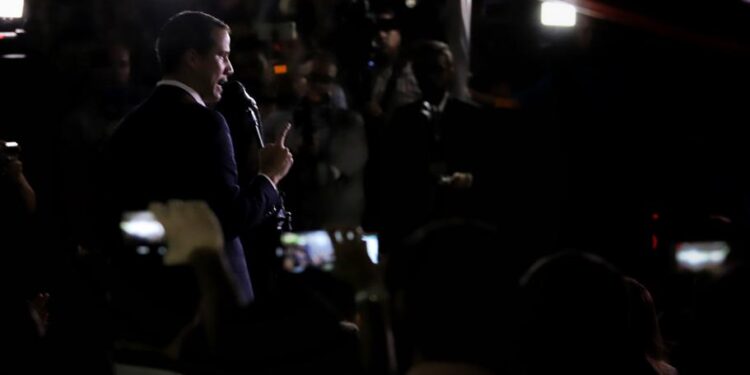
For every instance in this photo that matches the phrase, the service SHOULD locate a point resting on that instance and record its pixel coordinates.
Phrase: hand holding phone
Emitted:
(307, 249)
(178, 228)
(190, 226)
(356, 256)
(348, 254)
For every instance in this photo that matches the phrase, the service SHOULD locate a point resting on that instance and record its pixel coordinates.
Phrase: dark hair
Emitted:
(184, 31)
(426, 52)
(574, 315)
(449, 278)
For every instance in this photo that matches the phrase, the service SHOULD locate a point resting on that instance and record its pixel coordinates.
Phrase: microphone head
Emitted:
(236, 92)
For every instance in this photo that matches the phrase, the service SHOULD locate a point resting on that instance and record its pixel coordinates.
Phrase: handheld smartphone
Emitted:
(701, 256)
(317, 248)
(303, 249)
(142, 231)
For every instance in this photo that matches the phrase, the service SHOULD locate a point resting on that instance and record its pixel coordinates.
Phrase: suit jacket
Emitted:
(172, 148)
(422, 145)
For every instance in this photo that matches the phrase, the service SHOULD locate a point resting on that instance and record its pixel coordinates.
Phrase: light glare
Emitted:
(11, 8)
(558, 13)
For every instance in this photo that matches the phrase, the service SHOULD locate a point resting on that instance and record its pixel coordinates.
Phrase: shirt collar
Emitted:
(441, 106)
(188, 89)
(429, 109)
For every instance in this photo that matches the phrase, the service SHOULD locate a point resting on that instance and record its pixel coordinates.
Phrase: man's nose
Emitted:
(229, 69)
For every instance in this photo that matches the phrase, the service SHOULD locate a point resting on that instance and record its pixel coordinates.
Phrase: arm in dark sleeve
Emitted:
(237, 207)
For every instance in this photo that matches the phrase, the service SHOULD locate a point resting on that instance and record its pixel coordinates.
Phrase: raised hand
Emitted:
(352, 263)
(275, 158)
(189, 226)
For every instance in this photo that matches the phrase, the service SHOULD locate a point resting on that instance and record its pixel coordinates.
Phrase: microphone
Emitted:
(240, 97)
(237, 91)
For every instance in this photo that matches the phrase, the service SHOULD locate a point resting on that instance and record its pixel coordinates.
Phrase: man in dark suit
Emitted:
(433, 147)
(174, 146)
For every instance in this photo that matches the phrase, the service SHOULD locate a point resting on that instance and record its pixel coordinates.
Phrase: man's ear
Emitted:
(191, 58)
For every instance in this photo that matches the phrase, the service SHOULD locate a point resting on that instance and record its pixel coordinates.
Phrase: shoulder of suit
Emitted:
(168, 115)
(174, 96)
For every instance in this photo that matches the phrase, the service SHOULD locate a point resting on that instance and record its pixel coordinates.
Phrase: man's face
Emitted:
(388, 32)
(434, 77)
(214, 68)
(321, 81)
(119, 57)
(390, 39)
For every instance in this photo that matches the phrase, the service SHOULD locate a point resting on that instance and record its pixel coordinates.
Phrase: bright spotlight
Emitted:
(558, 13)
(11, 8)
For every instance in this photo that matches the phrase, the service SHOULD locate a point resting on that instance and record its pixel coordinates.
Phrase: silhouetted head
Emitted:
(388, 30)
(575, 314)
(321, 78)
(194, 48)
(454, 288)
(432, 63)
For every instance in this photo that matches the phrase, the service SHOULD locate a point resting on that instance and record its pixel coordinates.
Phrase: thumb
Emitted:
(281, 141)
